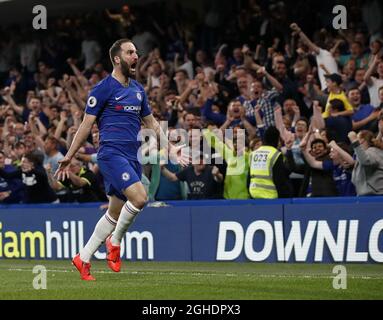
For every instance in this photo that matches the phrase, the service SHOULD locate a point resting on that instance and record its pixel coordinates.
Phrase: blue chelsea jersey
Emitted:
(119, 110)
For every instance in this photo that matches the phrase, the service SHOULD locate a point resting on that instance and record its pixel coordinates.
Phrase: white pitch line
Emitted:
(197, 274)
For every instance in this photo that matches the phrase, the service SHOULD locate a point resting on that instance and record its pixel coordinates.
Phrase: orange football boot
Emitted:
(83, 268)
(113, 255)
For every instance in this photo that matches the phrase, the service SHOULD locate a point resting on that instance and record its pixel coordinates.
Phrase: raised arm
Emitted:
(145, 65)
(8, 97)
(371, 69)
(313, 163)
(151, 123)
(112, 16)
(3, 110)
(365, 157)
(80, 91)
(39, 141)
(304, 38)
(218, 176)
(379, 137)
(274, 82)
(338, 42)
(290, 161)
(356, 125)
(214, 141)
(317, 119)
(207, 111)
(192, 85)
(306, 138)
(77, 72)
(346, 157)
(72, 93)
(279, 124)
(258, 117)
(227, 123)
(60, 125)
(42, 130)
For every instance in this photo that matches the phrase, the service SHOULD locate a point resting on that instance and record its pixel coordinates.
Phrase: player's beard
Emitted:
(125, 70)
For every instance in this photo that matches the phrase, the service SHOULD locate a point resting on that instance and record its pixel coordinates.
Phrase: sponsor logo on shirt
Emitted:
(128, 108)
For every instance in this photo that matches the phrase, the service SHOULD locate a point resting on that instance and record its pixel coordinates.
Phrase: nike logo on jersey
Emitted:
(118, 98)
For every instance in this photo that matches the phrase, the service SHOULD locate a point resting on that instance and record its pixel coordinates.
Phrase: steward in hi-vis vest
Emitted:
(261, 173)
(269, 177)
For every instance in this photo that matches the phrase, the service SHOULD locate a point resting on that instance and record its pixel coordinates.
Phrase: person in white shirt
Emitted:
(29, 54)
(144, 40)
(90, 51)
(51, 153)
(374, 83)
(323, 57)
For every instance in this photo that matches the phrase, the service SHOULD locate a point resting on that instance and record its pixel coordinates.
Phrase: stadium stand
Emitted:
(263, 65)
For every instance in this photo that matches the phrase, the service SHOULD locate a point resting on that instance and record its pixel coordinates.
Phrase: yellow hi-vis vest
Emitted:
(261, 173)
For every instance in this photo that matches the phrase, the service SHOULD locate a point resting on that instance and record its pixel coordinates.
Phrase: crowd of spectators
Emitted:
(322, 89)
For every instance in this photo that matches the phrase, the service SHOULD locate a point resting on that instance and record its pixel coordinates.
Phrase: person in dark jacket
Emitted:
(81, 185)
(320, 174)
(34, 178)
(367, 174)
(11, 190)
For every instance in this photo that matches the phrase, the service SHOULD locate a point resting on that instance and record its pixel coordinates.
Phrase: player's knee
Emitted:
(139, 201)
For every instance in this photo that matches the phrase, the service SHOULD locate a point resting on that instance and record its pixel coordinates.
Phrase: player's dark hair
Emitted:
(115, 49)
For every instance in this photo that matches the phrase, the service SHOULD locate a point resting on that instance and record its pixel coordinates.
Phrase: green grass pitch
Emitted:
(190, 280)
